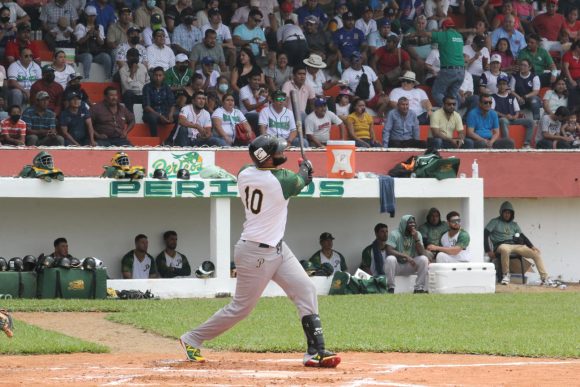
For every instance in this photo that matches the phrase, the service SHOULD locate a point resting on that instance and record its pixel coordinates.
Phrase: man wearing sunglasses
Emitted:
(251, 33)
(483, 126)
(278, 121)
(453, 245)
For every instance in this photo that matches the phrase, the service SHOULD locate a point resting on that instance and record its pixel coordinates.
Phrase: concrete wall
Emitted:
(105, 228)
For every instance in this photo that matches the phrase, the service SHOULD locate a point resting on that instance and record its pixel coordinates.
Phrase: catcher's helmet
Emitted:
(16, 264)
(64, 262)
(89, 263)
(183, 174)
(205, 270)
(3, 264)
(264, 147)
(160, 174)
(29, 262)
(120, 160)
(43, 160)
(75, 263)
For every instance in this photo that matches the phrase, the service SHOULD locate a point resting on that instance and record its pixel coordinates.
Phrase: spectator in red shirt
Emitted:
(571, 72)
(549, 25)
(390, 62)
(54, 90)
(13, 128)
(22, 40)
(571, 31)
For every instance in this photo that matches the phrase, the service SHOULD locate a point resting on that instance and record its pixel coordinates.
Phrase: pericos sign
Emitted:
(172, 162)
(208, 188)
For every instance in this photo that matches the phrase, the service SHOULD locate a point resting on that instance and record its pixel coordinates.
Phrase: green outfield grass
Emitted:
(533, 325)
(35, 341)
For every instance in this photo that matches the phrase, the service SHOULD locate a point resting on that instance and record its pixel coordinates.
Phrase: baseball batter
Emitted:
(261, 255)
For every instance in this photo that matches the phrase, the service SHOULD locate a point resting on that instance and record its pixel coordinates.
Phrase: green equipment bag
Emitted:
(17, 284)
(72, 283)
(344, 283)
(339, 284)
(432, 165)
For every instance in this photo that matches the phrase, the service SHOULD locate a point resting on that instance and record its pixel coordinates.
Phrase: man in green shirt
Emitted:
(542, 63)
(432, 230)
(452, 246)
(452, 70)
(179, 75)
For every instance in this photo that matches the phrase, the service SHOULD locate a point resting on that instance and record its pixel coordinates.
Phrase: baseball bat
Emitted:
(298, 120)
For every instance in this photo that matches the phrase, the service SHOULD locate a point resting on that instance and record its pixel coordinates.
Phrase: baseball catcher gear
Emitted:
(183, 174)
(43, 160)
(264, 147)
(120, 160)
(325, 270)
(89, 263)
(205, 270)
(42, 168)
(3, 264)
(75, 263)
(160, 174)
(317, 355)
(121, 168)
(15, 264)
(29, 262)
(309, 268)
(6, 324)
(64, 262)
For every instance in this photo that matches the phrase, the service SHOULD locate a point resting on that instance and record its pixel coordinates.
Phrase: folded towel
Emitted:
(387, 194)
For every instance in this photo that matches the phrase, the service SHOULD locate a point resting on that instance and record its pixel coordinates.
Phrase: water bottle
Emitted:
(474, 169)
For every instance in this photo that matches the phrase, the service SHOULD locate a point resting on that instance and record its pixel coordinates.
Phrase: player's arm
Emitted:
(292, 183)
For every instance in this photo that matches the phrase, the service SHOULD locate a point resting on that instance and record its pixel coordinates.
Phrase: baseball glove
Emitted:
(6, 324)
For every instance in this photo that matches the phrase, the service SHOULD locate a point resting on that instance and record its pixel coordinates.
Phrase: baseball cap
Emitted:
(479, 40)
(212, 12)
(90, 10)
(495, 58)
(73, 95)
(355, 55)
(447, 23)
(47, 69)
(384, 22)
(319, 101)
(325, 236)
(366, 8)
(348, 16)
(503, 78)
(24, 27)
(311, 19)
(389, 12)
(133, 52)
(125, 10)
(74, 76)
(42, 95)
(207, 60)
(156, 19)
(279, 95)
(287, 7)
(133, 29)
(254, 3)
(181, 58)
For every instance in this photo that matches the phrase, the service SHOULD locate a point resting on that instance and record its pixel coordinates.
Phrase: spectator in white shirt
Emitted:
(366, 23)
(476, 58)
(210, 76)
(160, 54)
(318, 123)
(21, 75)
(278, 120)
(253, 98)
(418, 100)
(134, 77)
(225, 119)
(195, 124)
(156, 24)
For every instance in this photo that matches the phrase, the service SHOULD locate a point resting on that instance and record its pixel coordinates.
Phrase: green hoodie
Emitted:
(500, 230)
(402, 242)
(433, 233)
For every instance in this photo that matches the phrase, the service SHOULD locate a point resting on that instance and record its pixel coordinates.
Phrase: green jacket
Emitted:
(172, 78)
(402, 242)
(166, 272)
(501, 231)
(432, 234)
(316, 261)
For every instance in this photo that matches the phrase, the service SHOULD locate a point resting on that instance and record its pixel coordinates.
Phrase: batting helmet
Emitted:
(29, 262)
(183, 174)
(264, 147)
(205, 270)
(309, 268)
(64, 262)
(45, 262)
(160, 174)
(89, 263)
(16, 264)
(75, 263)
(3, 264)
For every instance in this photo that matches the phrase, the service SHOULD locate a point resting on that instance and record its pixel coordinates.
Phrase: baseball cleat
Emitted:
(324, 359)
(192, 353)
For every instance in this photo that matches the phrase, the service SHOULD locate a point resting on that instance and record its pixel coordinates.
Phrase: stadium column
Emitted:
(220, 249)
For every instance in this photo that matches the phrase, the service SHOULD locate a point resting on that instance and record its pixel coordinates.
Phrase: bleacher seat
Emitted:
(427, 90)
(45, 53)
(145, 141)
(335, 133)
(378, 133)
(95, 90)
(332, 92)
(424, 132)
(543, 91)
(458, 19)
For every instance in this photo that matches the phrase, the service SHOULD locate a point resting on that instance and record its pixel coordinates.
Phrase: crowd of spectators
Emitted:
(351, 63)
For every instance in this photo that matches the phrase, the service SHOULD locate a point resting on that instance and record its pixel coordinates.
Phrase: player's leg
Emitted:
(299, 287)
(255, 267)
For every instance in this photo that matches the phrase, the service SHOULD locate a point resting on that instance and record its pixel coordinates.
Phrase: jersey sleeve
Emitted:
(463, 239)
(127, 264)
(290, 182)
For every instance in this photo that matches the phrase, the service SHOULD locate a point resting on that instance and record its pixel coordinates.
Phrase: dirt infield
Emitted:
(144, 359)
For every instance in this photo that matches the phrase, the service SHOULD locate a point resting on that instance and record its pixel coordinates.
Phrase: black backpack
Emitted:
(363, 90)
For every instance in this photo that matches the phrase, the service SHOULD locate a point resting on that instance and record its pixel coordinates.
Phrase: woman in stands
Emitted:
(503, 49)
(245, 65)
(91, 48)
(571, 28)
(359, 125)
(525, 85)
(62, 70)
(226, 118)
(278, 73)
(556, 97)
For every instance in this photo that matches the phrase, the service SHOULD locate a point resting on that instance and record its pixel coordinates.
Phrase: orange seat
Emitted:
(45, 54)
(164, 131)
(427, 90)
(424, 132)
(335, 133)
(96, 90)
(332, 92)
(140, 130)
(458, 19)
(378, 129)
(518, 134)
(543, 91)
